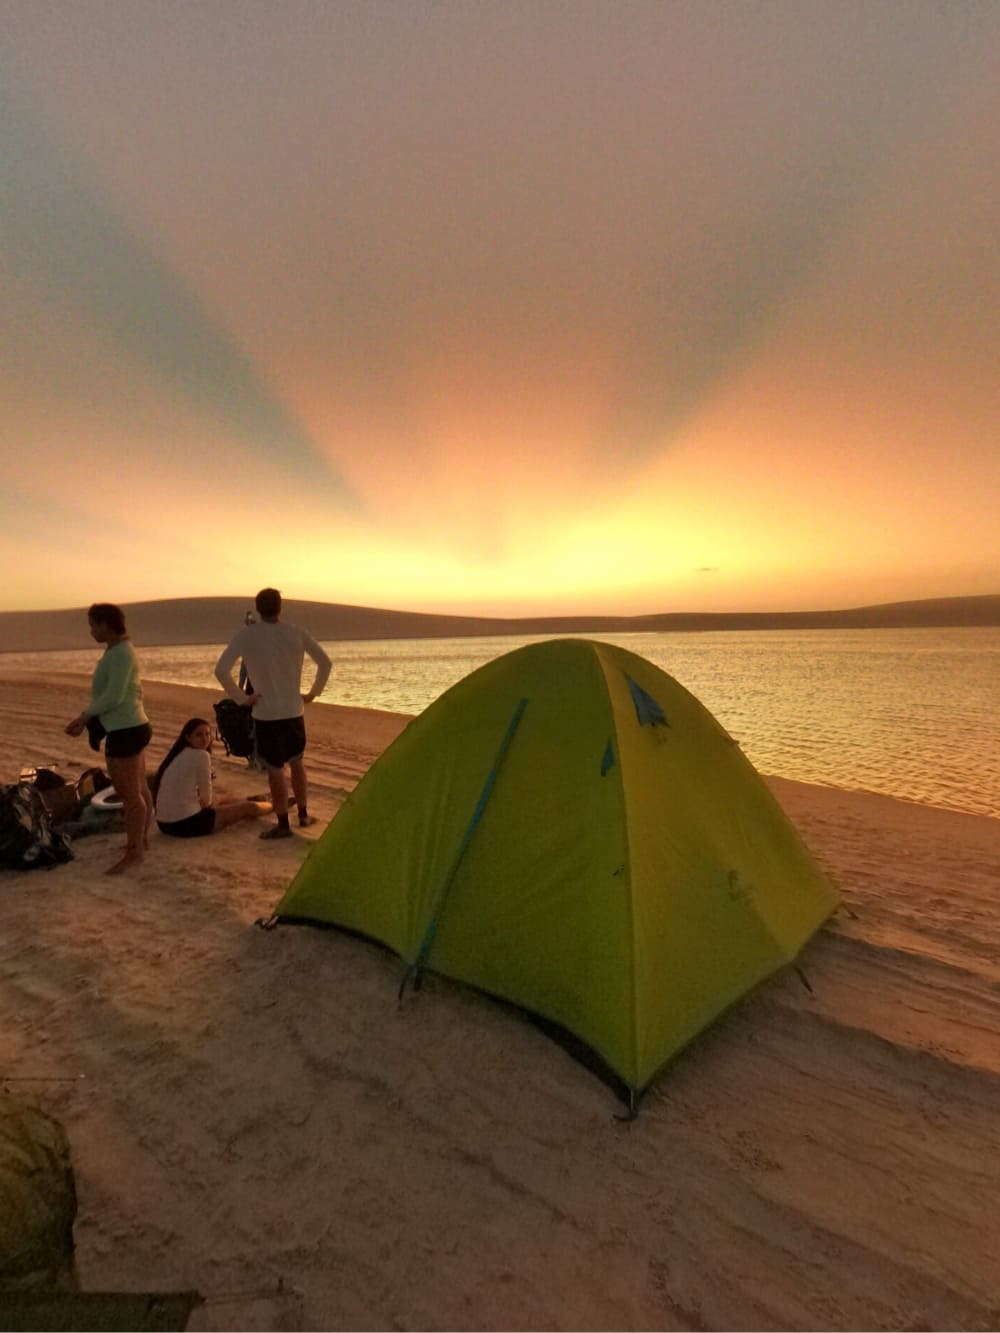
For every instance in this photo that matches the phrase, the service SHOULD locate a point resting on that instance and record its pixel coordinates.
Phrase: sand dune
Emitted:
(215, 619)
(248, 1108)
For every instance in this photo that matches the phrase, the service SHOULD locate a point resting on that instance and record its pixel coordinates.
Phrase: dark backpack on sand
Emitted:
(27, 840)
(234, 723)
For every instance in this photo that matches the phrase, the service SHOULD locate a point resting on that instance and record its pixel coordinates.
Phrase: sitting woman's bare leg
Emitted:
(231, 812)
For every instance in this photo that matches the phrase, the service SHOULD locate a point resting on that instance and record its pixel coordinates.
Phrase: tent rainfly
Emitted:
(569, 829)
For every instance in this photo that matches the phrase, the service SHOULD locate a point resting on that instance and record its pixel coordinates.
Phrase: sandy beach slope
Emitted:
(248, 1108)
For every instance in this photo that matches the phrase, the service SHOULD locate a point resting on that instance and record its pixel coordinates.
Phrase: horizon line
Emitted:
(518, 616)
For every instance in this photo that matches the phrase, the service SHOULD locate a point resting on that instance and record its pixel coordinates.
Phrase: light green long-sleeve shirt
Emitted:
(115, 692)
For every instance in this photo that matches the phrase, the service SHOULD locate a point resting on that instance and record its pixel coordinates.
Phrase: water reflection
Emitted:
(910, 713)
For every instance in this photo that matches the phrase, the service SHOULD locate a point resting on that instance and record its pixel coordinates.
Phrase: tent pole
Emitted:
(413, 969)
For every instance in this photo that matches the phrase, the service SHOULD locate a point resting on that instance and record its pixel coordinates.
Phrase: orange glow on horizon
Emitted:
(516, 316)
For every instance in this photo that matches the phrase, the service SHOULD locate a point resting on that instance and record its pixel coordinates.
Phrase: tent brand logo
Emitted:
(505, 884)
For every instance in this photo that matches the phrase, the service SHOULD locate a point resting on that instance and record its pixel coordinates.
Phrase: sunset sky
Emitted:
(522, 307)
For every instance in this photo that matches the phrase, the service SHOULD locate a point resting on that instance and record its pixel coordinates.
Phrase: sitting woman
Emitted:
(183, 788)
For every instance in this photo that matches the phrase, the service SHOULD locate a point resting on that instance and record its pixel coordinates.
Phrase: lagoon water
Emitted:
(907, 713)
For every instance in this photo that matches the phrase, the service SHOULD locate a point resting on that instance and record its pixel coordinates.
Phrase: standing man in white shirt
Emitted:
(273, 653)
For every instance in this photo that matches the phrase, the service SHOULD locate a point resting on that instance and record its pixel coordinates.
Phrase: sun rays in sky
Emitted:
(527, 308)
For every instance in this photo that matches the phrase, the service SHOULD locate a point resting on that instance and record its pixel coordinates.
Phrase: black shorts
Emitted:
(282, 742)
(128, 741)
(195, 826)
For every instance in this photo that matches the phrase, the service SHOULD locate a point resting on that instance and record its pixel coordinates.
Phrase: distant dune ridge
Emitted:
(214, 619)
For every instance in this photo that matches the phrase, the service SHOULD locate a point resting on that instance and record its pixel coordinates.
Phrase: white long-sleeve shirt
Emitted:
(273, 653)
(186, 786)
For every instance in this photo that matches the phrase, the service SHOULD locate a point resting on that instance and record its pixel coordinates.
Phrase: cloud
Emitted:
(67, 234)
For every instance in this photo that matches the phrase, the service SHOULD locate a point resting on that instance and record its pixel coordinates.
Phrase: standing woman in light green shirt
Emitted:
(116, 701)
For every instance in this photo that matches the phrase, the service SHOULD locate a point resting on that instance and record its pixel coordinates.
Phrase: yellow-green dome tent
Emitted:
(570, 829)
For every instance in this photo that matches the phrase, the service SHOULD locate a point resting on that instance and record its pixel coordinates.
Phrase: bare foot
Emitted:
(129, 860)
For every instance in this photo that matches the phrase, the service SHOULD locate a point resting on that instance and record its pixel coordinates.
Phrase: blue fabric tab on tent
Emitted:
(647, 710)
(608, 758)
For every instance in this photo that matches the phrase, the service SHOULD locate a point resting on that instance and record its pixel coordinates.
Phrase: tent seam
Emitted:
(630, 904)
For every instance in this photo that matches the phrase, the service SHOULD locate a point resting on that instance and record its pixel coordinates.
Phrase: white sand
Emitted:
(248, 1107)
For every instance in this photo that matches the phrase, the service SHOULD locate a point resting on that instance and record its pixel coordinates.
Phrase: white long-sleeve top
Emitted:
(274, 653)
(186, 786)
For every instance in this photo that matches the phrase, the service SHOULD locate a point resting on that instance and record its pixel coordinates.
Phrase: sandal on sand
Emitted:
(277, 832)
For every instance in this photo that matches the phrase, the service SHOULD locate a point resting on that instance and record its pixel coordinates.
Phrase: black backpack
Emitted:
(27, 840)
(234, 723)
